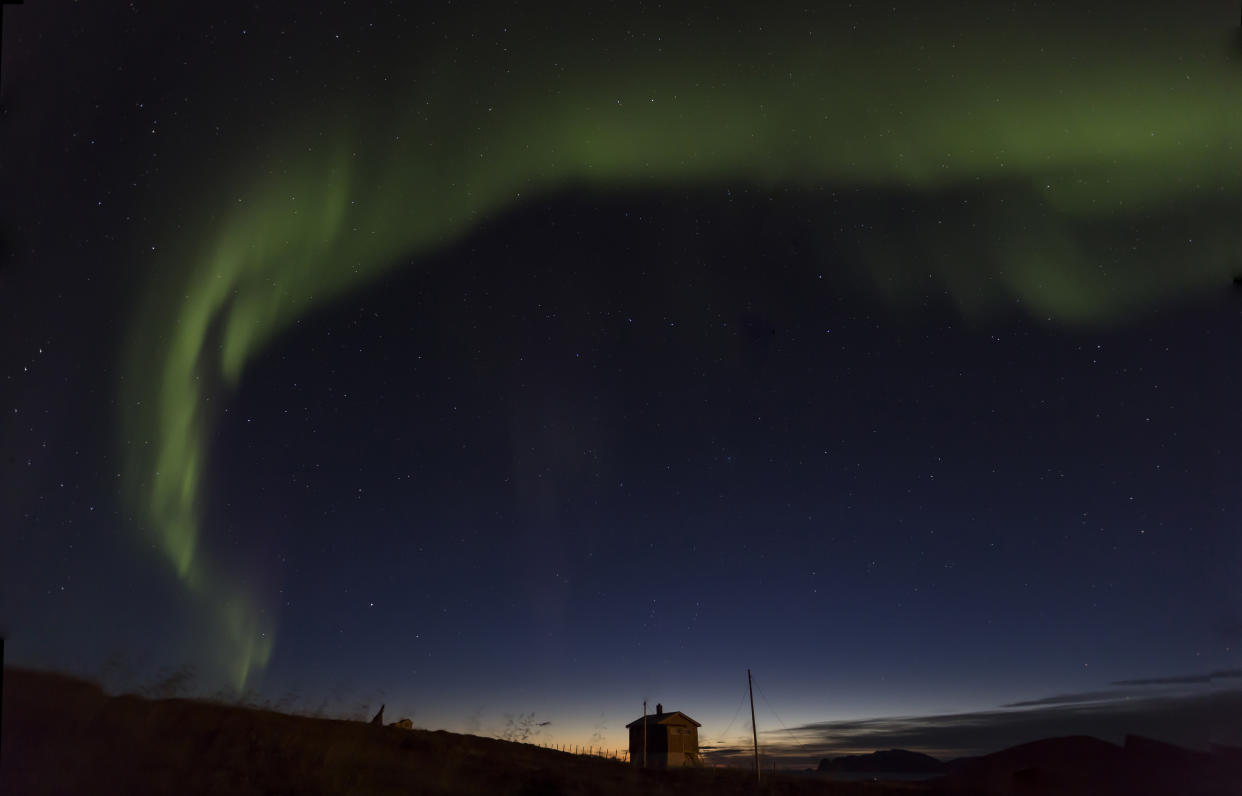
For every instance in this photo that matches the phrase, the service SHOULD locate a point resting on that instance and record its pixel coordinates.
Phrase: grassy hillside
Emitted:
(65, 736)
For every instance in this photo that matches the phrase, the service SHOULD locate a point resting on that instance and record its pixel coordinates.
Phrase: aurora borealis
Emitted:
(1074, 167)
(1086, 130)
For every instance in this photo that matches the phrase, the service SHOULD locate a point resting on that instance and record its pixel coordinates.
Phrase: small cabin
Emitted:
(671, 740)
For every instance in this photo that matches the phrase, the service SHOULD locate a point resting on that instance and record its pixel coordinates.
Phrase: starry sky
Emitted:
(493, 360)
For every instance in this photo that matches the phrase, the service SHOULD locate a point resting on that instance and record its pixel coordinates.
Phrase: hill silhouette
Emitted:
(892, 761)
(1084, 765)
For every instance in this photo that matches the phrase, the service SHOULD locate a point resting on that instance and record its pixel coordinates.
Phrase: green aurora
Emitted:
(1069, 144)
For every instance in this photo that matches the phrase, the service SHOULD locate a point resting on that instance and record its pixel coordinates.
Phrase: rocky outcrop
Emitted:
(378, 721)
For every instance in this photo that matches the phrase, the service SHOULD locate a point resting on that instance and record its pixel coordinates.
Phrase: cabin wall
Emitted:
(670, 745)
(683, 739)
(657, 743)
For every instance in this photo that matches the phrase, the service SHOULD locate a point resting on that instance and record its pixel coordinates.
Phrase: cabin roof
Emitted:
(667, 717)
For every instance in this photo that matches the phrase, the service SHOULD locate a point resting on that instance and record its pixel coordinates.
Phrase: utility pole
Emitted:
(1, 668)
(644, 733)
(753, 729)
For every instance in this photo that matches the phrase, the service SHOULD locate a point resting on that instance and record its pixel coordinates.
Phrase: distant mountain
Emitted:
(1076, 765)
(893, 761)
(1084, 765)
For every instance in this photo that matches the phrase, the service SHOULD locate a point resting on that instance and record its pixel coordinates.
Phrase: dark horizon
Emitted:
(1195, 721)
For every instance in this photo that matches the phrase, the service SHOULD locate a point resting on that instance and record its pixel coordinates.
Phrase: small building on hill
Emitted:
(672, 740)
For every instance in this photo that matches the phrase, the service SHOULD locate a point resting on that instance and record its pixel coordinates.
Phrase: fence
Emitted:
(620, 755)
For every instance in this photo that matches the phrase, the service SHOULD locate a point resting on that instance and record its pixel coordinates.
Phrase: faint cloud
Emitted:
(1069, 699)
(1186, 679)
(1193, 721)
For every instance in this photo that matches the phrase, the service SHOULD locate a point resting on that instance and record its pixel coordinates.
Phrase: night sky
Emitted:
(487, 361)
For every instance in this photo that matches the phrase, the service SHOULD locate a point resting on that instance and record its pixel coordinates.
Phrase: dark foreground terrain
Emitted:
(65, 736)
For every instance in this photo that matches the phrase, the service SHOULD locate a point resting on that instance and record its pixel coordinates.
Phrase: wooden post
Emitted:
(753, 729)
(645, 732)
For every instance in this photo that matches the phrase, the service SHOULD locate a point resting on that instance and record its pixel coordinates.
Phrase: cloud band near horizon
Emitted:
(1195, 721)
